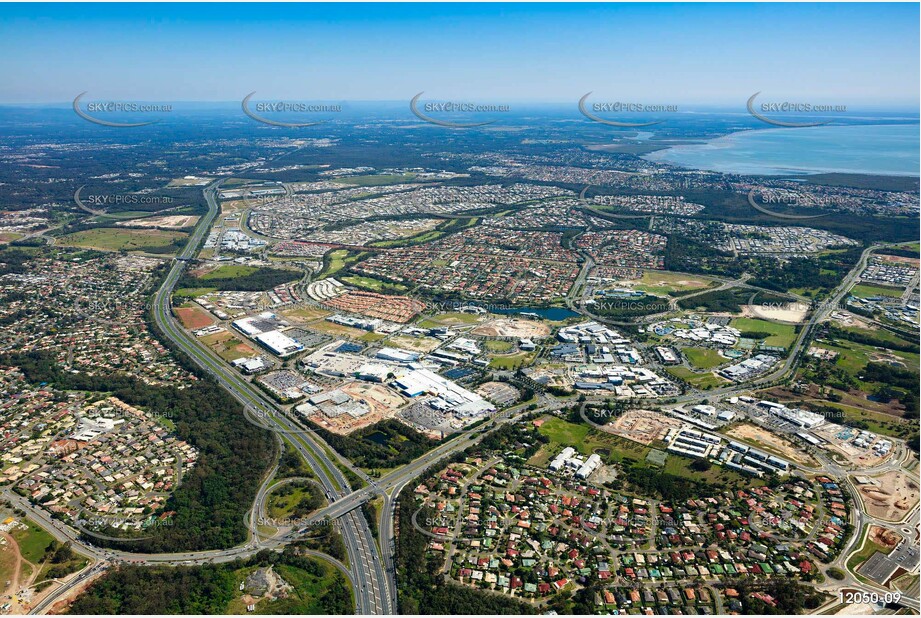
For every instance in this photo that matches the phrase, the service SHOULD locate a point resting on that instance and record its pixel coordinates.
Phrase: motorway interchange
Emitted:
(371, 568)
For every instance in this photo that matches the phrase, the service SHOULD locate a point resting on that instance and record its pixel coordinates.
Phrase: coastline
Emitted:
(749, 161)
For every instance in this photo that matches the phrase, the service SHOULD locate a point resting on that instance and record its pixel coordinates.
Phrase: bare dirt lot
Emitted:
(771, 441)
(193, 317)
(512, 327)
(894, 497)
(884, 536)
(643, 426)
(228, 346)
(793, 313)
(173, 222)
(17, 571)
(383, 403)
(190, 181)
(416, 344)
(899, 259)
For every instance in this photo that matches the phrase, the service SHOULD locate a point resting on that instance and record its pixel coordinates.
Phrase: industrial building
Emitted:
(278, 343)
(448, 395)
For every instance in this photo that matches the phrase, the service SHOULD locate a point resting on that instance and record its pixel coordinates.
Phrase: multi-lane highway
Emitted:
(368, 574)
(370, 568)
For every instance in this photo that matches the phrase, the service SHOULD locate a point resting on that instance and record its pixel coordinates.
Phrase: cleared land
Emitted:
(643, 426)
(512, 327)
(227, 271)
(771, 442)
(793, 313)
(586, 440)
(117, 239)
(227, 346)
(703, 358)
(338, 330)
(700, 380)
(192, 317)
(166, 221)
(306, 314)
(779, 334)
(450, 318)
(865, 290)
(664, 282)
(511, 361)
(376, 180)
(416, 344)
(895, 495)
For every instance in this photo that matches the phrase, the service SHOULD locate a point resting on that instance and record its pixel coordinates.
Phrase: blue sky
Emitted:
(854, 54)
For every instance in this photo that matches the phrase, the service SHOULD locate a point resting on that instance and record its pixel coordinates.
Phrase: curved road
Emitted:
(364, 559)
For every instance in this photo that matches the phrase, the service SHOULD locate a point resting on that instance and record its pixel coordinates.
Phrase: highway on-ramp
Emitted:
(364, 558)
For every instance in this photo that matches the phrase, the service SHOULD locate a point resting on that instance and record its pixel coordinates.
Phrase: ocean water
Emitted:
(890, 150)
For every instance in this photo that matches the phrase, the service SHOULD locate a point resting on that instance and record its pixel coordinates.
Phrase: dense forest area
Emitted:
(867, 338)
(823, 272)
(685, 254)
(731, 206)
(895, 383)
(386, 444)
(730, 301)
(214, 497)
(264, 278)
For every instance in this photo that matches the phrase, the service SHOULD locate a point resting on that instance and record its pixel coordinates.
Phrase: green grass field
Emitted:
(511, 361)
(116, 239)
(229, 271)
(564, 432)
(703, 358)
(864, 290)
(193, 292)
(32, 542)
(853, 357)
(498, 345)
(228, 349)
(127, 214)
(700, 380)
(679, 466)
(586, 440)
(880, 333)
(662, 282)
(375, 285)
(418, 239)
(877, 422)
(32, 545)
(782, 335)
(864, 554)
(338, 260)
